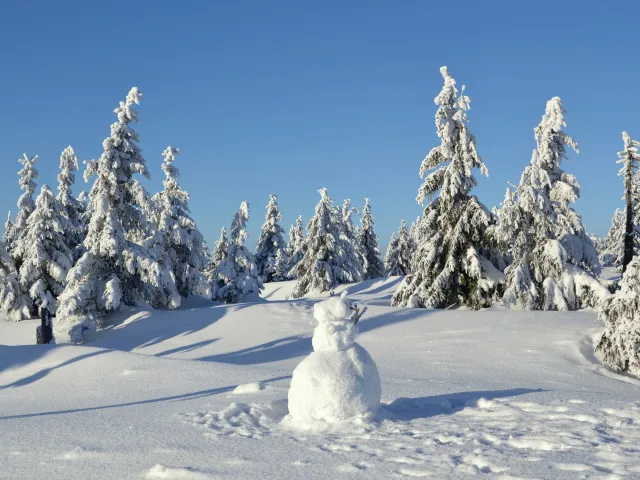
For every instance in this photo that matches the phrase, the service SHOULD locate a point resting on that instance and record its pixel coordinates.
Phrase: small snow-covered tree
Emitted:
(630, 160)
(354, 258)
(220, 252)
(397, 260)
(72, 209)
(368, 241)
(281, 267)
(326, 262)
(121, 264)
(13, 303)
(270, 242)
(451, 265)
(46, 257)
(26, 205)
(9, 231)
(553, 259)
(184, 246)
(237, 277)
(619, 345)
(612, 245)
(295, 247)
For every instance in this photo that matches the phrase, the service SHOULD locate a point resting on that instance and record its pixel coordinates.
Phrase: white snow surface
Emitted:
(504, 394)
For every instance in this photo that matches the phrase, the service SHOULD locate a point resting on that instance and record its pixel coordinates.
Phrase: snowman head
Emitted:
(335, 309)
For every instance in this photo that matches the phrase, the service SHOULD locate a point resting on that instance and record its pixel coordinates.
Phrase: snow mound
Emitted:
(334, 386)
(160, 472)
(248, 388)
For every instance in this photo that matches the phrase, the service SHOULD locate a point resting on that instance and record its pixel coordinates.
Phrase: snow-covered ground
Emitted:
(199, 394)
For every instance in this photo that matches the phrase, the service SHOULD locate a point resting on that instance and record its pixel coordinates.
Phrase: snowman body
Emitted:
(339, 379)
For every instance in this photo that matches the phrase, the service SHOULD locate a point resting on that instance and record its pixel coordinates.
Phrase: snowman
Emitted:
(339, 379)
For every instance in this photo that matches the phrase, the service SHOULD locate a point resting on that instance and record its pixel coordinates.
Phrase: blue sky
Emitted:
(286, 97)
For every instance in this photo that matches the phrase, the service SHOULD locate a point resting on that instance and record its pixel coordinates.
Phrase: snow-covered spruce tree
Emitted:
(326, 262)
(611, 251)
(9, 231)
(121, 264)
(26, 205)
(414, 230)
(619, 345)
(553, 259)
(397, 260)
(353, 254)
(270, 242)
(72, 208)
(295, 247)
(630, 160)
(281, 267)
(13, 303)
(46, 257)
(237, 277)
(451, 264)
(220, 252)
(368, 241)
(184, 246)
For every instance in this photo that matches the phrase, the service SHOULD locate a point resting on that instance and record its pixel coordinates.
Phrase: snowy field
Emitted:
(199, 393)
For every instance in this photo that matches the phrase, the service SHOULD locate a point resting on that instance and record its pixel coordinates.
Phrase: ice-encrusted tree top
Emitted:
(271, 241)
(9, 230)
(72, 208)
(238, 277)
(450, 163)
(46, 257)
(368, 240)
(26, 205)
(183, 243)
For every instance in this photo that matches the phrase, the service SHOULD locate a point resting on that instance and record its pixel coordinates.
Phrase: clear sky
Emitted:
(286, 97)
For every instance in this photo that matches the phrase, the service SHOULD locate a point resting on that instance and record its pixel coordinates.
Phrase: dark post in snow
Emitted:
(44, 332)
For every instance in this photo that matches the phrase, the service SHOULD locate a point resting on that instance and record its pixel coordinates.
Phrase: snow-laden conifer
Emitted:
(295, 247)
(611, 251)
(553, 259)
(397, 260)
(368, 241)
(270, 242)
(184, 246)
(9, 231)
(354, 258)
(45, 256)
(326, 261)
(13, 303)
(630, 160)
(619, 345)
(220, 252)
(121, 264)
(451, 264)
(281, 267)
(26, 204)
(237, 277)
(71, 207)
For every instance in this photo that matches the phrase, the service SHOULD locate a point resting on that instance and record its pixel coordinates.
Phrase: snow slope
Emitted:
(199, 393)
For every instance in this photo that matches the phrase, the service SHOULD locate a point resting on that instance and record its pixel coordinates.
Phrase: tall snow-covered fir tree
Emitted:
(121, 264)
(270, 242)
(397, 260)
(46, 257)
(13, 303)
(611, 252)
(619, 345)
(553, 259)
(184, 246)
(368, 241)
(451, 264)
(72, 208)
(26, 204)
(295, 247)
(326, 261)
(220, 252)
(353, 254)
(630, 160)
(237, 277)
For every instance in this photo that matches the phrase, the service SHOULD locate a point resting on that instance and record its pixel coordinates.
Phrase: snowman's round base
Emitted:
(334, 386)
